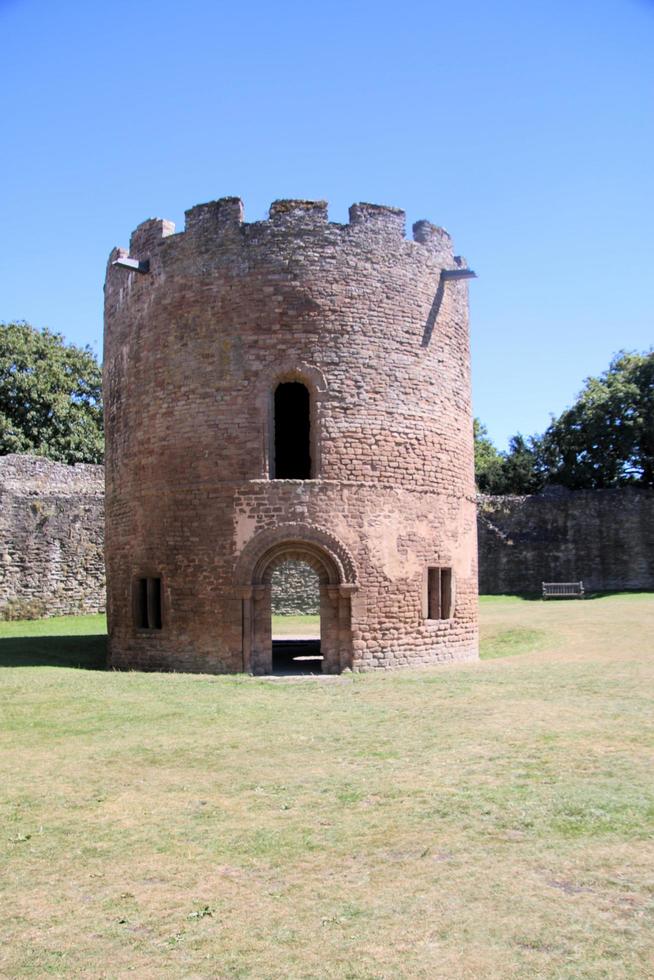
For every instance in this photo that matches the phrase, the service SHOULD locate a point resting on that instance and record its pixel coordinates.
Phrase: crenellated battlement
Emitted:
(223, 221)
(148, 234)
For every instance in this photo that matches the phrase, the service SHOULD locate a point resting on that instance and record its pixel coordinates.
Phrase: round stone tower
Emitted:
(289, 388)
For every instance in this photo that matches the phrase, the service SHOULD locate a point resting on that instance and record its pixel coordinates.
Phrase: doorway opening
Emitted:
(330, 624)
(295, 606)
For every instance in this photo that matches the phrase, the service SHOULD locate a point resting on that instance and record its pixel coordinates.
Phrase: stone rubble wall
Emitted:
(295, 590)
(604, 538)
(52, 529)
(51, 538)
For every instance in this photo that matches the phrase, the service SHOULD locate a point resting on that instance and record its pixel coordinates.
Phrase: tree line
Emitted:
(605, 439)
(51, 405)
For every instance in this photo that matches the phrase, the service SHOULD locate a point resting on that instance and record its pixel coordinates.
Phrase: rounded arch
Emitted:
(284, 370)
(312, 378)
(307, 374)
(322, 563)
(321, 550)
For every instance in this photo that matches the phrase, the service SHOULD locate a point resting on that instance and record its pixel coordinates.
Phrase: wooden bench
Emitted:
(558, 590)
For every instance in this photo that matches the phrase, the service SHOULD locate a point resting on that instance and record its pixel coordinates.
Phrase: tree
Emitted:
(50, 396)
(488, 461)
(606, 439)
(517, 471)
(522, 466)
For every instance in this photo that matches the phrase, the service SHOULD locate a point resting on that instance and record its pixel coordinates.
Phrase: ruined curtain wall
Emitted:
(51, 538)
(52, 528)
(603, 537)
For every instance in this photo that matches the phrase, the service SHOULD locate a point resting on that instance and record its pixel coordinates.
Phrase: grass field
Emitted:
(297, 626)
(486, 821)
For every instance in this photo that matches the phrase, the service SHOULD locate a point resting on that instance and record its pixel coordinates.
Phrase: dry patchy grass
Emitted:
(486, 821)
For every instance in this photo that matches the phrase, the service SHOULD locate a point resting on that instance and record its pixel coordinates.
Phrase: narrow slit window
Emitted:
(439, 593)
(292, 421)
(147, 603)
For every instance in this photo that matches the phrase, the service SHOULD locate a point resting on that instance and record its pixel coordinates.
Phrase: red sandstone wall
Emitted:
(193, 349)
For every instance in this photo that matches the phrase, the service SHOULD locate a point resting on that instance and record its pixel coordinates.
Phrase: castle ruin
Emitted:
(288, 389)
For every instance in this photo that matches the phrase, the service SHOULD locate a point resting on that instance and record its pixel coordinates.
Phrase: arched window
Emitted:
(292, 424)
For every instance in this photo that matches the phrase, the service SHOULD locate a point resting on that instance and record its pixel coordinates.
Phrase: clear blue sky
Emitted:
(526, 129)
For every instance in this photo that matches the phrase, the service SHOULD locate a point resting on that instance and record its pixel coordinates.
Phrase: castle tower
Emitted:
(288, 388)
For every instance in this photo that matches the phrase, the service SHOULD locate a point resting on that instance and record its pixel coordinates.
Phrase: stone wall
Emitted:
(51, 538)
(295, 590)
(52, 526)
(603, 537)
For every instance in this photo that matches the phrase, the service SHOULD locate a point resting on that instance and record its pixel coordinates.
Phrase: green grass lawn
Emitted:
(492, 820)
(62, 641)
(296, 626)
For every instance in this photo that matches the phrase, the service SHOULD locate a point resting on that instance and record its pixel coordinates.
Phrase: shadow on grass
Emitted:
(538, 596)
(87, 652)
(617, 592)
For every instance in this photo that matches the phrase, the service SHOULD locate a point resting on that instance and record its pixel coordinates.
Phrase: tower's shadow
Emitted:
(86, 652)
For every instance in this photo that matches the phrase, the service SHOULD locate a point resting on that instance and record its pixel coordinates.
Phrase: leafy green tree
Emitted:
(606, 439)
(50, 396)
(488, 461)
(518, 471)
(522, 466)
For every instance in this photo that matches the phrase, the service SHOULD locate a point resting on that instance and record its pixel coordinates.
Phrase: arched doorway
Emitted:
(334, 567)
(295, 596)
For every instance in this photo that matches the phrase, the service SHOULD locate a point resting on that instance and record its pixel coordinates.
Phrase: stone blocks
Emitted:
(51, 538)
(193, 353)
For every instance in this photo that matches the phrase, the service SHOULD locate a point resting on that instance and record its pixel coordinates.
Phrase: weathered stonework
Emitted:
(52, 528)
(51, 538)
(376, 328)
(604, 538)
(295, 590)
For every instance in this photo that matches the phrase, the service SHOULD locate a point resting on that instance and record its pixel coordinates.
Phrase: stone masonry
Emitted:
(51, 538)
(295, 590)
(202, 330)
(604, 538)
